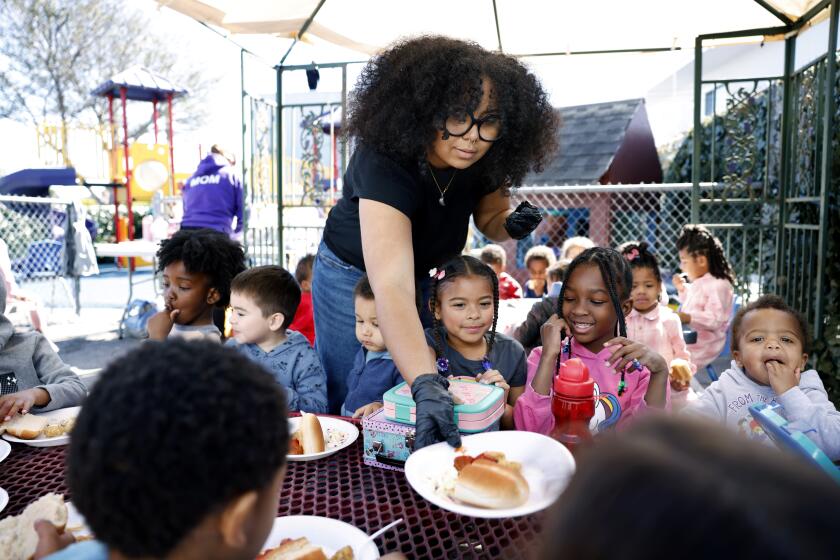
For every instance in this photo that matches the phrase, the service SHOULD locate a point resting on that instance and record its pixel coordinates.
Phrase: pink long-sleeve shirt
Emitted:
(532, 411)
(709, 302)
(660, 330)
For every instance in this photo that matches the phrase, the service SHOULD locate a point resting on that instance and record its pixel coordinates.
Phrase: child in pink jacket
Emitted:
(593, 302)
(707, 300)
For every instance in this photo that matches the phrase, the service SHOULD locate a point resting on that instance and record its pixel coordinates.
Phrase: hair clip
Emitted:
(486, 364)
(632, 254)
(443, 365)
(437, 274)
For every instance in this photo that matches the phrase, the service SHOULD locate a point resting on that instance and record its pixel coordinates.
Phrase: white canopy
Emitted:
(524, 26)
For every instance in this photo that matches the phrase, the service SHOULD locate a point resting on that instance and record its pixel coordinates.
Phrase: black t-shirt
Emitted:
(438, 232)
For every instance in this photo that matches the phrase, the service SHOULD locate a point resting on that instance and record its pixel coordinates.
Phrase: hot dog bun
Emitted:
(491, 484)
(681, 370)
(309, 437)
(26, 426)
(294, 549)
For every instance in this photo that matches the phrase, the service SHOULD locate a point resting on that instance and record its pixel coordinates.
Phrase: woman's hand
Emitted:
(494, 377)
(552, 333)
(629, 350)
(160, 324)
(435, 411)
(367, 410)
(22, 402)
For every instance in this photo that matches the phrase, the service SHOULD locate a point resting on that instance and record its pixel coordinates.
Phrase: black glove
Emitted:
(523, 220)
(435, 411)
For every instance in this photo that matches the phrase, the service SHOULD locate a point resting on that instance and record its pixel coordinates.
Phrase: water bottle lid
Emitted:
(573, 379)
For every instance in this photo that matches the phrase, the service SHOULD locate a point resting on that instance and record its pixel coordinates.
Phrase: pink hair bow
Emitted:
(632, 254)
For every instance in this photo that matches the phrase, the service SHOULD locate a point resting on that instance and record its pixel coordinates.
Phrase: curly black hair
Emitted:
(772, 301)
(404, 95)
(207, 252)
(697, 240)
(171, 432)
(460, 266)
(272, 288)
(618, 277)
(639, 255)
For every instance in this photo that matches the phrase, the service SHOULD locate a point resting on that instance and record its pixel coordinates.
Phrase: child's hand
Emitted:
(50, 540)
(783, 378)
(678, 281)
(367, 410)
(677, 385)
(629, 350)
(552, 332)
(160, 324)
(21, 402)
(492, 376)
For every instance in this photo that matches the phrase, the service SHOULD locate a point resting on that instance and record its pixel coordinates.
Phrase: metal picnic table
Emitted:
(341, 487)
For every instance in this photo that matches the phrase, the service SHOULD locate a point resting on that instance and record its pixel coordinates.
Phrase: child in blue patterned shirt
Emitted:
(264, 300)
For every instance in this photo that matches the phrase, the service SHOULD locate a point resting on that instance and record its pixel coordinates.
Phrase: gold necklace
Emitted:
(442, 191)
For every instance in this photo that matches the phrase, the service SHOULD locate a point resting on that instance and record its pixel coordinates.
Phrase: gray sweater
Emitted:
(806, 407)
(27, 361)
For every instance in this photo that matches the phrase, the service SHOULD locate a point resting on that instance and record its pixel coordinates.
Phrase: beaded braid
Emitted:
(495, 282)
(611, 265)
(436, 326)
(699, 240)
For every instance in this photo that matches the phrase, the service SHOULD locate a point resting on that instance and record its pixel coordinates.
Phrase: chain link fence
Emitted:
(40, 247)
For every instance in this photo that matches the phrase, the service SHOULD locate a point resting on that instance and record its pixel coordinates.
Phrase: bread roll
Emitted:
(489, 484)
(18, 538)
(294, 549)
(26, 426)
(310, 434)
(681, 370)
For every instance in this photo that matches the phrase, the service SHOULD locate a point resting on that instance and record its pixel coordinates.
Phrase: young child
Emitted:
(198, 266)
(32, 376)
(537, 260)
(264, 300)
(651, 322)
(158, 475)
(465, 304)
(528, 333)
(574, 246)
(593, 303)
(495, 257)
(707, 300)
(373, 371)
(770, 344)
(304, 323)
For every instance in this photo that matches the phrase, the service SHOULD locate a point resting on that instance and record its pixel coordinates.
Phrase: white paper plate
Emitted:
(76, 523)
(546, 464)
(5, 449)
(41, 441)
(4, 500)
(329, 534)
(345, 430)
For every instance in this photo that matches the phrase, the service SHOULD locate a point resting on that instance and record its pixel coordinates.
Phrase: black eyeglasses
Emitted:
(459, 124)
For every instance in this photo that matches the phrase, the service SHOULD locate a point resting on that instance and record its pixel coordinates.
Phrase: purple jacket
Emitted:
(213, 196)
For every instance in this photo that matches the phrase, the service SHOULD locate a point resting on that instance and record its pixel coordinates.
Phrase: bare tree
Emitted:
(54, 52)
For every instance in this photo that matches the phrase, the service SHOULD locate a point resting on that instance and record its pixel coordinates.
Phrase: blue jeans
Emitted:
(333, 308)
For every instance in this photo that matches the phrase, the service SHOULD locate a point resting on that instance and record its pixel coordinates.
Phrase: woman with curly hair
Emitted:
(442, 129)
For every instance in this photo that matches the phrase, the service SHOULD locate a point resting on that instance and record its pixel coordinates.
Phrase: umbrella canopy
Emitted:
(519, 27)
(140, 84)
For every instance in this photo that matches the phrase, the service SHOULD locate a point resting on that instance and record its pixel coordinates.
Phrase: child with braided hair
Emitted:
(707, 299)
(590, 325)
(465, 304)
(651, 322)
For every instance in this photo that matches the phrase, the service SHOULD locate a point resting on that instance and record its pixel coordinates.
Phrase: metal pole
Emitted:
(279, 70)
(345, 145)
(171, 147)
(155, 117)
(784, 171)
(114, 165)
(123, 93)
(245, 185)
(498, 32)
(825, 164)
(698, 131)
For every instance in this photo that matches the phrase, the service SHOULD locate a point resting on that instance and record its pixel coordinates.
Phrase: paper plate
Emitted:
(4, 499)
(5, 449)
(343, 435)
(546, 464)
(329, 534)
(41, 441)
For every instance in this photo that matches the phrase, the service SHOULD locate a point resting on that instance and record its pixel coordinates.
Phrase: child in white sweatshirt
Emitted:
(770, 342)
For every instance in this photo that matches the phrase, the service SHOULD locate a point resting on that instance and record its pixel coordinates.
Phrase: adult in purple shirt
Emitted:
(213, 195)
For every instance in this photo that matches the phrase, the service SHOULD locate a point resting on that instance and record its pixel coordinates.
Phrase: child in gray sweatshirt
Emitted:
(32, 376)
(770, 342)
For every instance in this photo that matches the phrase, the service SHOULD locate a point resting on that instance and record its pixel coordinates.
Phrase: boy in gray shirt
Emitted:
(32, 376)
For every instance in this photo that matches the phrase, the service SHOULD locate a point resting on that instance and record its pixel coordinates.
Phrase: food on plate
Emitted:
(489, 480)
(26, 426)
(56, 428)
(302, 549)
(680, 370)
(17, 533)
(309, 438)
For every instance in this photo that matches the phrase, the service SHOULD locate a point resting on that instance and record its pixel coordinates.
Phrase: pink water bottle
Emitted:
(572, 403)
